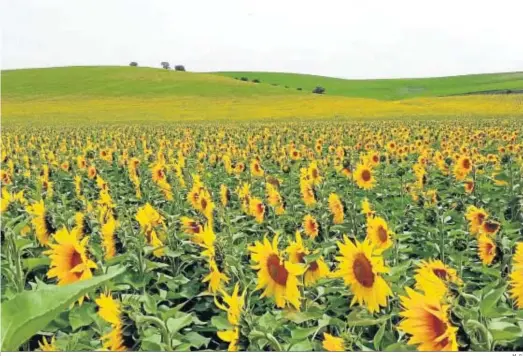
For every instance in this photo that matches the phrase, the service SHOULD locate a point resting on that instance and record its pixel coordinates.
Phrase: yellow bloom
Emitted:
(516, 276)
(379, 233)
(315, 270)
(234, 305)
(109, 238)
(232, 337)
(149, 220)
(41, 222)
(433, 277)
(486, 249)
(215, 277)
(277, 277)
(257, 209)
(475, 217)
(336, 208)
(311, 226)
(47, 346)
(426, 321)
(364, 177)
(109, 309)
(360, 270)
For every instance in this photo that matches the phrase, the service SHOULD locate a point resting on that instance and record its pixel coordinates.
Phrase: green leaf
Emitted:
(81, 315)
(504, 331)
(32, 263)
(196, 339)
(357, 319)
(304, 345)
(302, 333)
(301, 317)
(490, 300)
(221, 323)
(30, 311)
(379, 336)
(176, 324)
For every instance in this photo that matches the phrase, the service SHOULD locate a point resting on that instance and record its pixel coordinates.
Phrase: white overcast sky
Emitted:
(342, 38)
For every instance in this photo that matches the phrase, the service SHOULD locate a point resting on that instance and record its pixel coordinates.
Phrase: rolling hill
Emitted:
(390, 89)
(72, 95)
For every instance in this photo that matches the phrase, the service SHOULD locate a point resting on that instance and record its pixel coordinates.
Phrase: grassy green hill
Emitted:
(124, 81)
(71, 95)
(390, 89)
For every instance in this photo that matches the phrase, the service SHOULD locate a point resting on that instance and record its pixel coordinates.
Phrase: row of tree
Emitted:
(165, 65)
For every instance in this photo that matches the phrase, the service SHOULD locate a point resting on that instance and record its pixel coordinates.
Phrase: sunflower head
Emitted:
(516, 276)
(379, 233)
(486, 249)
(311, 226)
(364, 177)
(332, 343)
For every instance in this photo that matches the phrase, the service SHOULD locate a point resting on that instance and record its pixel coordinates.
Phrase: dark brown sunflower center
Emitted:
(195, 227)
(490, 226)
(382, 234)
(362, 269)
(437, 329)
(441, 273)
(276, 270)
(259, 208)
(466, 164)
(49, 228)
(365, 175)
(311, 225)
(314, 173)
(76, 259)
(203, 203)
(480, 218)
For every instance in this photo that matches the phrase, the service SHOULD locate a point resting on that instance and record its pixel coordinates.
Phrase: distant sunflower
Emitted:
(426, 321)
(257, 209)
(69, 261)
(336, 208)
(490, 227)
(433, 277)
(469, 186)
(256, 169)
(314, 270)
(109, 239)
(91, 172)
(150, 220)
(364, 177)
(190, 226)
(46, 346)
(215, 277)
(366, 208)
(516, 276)
(42, 222)
(379, 233)
(206, 239)
(475, 217)
(307, 192)
(311, 226)
(225, 195)
(314, 173)
(463, 167)
(279, 278)
(486, 249)
(360, 270)
(332, 343)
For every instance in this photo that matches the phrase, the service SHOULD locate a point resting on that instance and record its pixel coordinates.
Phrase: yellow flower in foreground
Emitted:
(230, 336)
(41, 222)
(516, 276)
(486, 249)
(277, 277)
(379, 233)
(475, 217)
(364, 177)
(426, 321)
(332, 343)
(360, 269)
(215, 277)
(315, 270)
(109, 309)
(234, 305)
(433, 277)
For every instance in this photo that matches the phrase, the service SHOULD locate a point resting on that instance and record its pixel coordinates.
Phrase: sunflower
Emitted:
(314, 173)
(364, 177)
(91, 172)
(433, 277)
(69, 261)
(109, 238)
(366, 208)
(315, 270)
(215, 277)
(276, 276)
(149, 220)
(307, 192)
(469, 186)
(256, 169)
(234, 306)
(190, 226)
(81, 223)
(516, 276)
(48, 346)
(42, 222)
(463, 167)
(486, 249)
(230, 336)
(310, 226)
(114, 340)
(109, 309)
(257, 209)
(332, 343)
(360, 270)
(225, 195)
(336, 208)
(158, 172)
(206, 205)
(274, 199)
(379, 233)
(206, 239)
(475, 217)
(426, 321)
(490, 227)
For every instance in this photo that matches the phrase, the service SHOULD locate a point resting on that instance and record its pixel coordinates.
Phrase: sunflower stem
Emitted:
(147, 319)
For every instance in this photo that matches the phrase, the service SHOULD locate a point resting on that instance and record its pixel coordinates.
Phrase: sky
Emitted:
(339, 38)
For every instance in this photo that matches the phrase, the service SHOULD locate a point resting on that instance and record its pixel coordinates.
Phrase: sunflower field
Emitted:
(385, 235)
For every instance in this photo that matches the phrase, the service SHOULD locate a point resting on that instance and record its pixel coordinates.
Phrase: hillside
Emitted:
(72, 95)
(390, 89)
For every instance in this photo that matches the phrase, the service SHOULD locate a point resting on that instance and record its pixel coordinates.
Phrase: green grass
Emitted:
(390, 89)
(124, 82)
